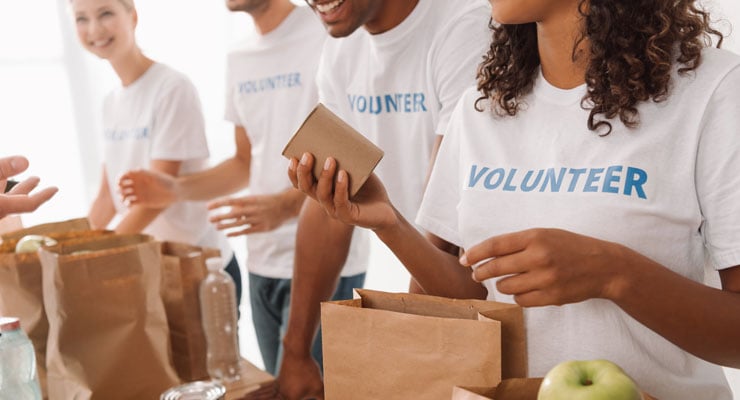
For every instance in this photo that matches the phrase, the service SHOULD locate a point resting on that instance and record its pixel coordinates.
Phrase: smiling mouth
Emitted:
(326, 8)
(101, 43)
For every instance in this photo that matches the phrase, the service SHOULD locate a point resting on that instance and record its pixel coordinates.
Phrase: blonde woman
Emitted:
(152, 121)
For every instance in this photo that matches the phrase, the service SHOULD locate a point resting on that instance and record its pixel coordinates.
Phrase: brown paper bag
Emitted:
(251, 380)
(20, 283)
(183, 269)
(508, 389)
(76, 224)
(405, 346)
(108, 335)
(10, 223)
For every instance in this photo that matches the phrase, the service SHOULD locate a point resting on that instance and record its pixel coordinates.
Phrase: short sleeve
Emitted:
(458, 52)
(718, 173)
(438, 212)
(179, 127)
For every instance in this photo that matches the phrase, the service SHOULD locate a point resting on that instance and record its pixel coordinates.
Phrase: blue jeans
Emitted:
(270, 301)
(232, 268)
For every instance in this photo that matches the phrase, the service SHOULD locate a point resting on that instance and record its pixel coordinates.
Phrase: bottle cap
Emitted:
(214, 263)
(8, 324)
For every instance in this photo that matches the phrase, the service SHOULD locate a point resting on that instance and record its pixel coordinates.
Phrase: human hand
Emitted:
(368, 208)
(148, 188)
(541, 267)
(18, 199)
(253, 213)
(299, 378)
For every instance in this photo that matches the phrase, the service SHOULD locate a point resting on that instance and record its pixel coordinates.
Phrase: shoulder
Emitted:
(460, 14)
(170, 77)
(714, 67)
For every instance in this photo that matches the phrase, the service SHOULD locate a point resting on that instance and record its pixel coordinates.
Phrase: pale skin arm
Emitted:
(102, 209)
(260, 213)
(137, 217)
(555, 267)
(19, 199)
(156, 190)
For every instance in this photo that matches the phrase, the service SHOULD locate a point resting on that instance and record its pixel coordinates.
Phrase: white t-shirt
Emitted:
(271, 88)
(668, 190)
(158, 117)
(398, 88)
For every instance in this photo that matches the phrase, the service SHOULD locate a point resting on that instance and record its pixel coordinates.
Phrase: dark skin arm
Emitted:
(542, 267)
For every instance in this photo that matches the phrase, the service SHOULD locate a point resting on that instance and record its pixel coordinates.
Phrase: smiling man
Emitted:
(394, 70)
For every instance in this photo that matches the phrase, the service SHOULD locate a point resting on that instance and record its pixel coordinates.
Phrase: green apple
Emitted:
(31, 243)
(588, 380)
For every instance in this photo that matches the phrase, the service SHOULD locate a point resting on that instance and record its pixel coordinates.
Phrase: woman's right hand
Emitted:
(147, 188)
(369, 207)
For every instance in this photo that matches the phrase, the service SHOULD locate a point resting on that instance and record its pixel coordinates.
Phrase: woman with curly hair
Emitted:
(590, 177)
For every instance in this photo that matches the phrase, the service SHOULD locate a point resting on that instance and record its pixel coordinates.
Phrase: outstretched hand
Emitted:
(541, 267)
(18, 199)
(252, 214)
(147, 188)
(368, 208)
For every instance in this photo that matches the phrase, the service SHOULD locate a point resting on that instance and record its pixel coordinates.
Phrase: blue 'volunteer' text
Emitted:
(616, 179)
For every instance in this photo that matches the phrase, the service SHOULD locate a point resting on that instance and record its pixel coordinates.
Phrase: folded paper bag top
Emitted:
(324, 135)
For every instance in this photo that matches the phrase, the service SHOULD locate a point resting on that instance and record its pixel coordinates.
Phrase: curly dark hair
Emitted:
(633, 45)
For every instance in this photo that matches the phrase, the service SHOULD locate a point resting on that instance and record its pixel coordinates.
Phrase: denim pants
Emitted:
(270, 301)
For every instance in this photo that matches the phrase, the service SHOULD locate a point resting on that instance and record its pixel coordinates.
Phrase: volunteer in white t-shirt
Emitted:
(153, 121)
(271, 88)
(594, 204)
(393, 70)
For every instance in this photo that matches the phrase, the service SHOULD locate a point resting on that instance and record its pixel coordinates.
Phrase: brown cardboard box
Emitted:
(324, 134)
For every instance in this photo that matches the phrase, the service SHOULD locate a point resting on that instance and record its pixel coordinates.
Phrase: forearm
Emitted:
(437, 271)
(137, 219)
(701, 320)
(226, 178)
(101, 212)
(291, 202)
(322, 245)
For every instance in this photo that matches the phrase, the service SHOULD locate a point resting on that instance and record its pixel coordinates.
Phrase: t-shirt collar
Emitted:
(545, 90)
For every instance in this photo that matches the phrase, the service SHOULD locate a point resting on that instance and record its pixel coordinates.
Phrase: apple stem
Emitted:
(587, 382)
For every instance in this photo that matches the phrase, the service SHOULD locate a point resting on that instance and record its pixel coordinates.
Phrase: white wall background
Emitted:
(51, 91)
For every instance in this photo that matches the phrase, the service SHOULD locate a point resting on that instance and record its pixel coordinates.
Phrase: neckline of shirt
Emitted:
(402, 30)
(149, 71)
(285, 27)
(546, 91)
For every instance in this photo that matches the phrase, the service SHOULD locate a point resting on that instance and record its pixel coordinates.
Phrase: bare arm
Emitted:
(151, 189)
(259, 213)
(552, 267)
(138, 217)
(102, 210)
(322, 245)
(433, 264)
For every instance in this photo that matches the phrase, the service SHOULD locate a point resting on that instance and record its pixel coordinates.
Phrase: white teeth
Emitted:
(328, 7)
(101, 43)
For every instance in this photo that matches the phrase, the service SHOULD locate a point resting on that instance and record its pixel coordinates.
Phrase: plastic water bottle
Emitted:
(18, 380)
(218, 307)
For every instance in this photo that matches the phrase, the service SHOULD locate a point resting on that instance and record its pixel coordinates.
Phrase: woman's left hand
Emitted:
(541, 267)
